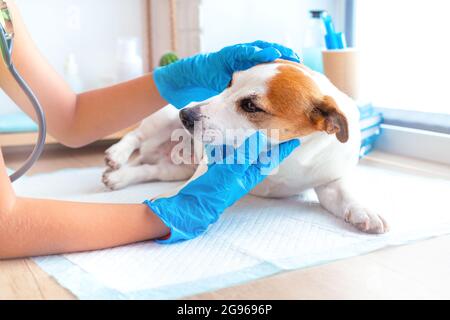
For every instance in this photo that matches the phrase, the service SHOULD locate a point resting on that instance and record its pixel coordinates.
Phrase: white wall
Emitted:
(88, 28)
(188, 33)
(284, 21)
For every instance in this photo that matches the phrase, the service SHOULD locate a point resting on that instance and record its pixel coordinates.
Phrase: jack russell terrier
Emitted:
(285, 96)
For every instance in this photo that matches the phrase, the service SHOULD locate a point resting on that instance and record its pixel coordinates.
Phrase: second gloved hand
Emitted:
(200, 203)
(206, 75)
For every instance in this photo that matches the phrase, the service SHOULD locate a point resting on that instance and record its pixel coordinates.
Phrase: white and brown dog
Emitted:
(285, 96)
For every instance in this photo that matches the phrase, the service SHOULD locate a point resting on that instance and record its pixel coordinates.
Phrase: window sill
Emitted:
(429, 168)
(413, 143)
(427, 121)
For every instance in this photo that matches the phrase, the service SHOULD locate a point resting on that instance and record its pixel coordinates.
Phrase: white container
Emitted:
(129, 62)
(314, 42)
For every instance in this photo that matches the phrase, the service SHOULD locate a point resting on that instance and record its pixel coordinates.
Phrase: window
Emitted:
(405, 53)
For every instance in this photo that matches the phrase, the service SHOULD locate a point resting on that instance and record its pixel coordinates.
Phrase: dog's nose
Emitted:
(189, 117)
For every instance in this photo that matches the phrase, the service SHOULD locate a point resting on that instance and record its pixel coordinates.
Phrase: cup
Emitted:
(342, 67)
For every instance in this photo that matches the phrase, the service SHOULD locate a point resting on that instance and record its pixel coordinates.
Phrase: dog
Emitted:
(284, 96)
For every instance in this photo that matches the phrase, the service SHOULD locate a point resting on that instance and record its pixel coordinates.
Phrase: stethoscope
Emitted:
(6, 46)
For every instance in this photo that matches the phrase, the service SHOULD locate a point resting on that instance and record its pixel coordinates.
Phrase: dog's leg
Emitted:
(337, 199)
(153, 131)
(118, 154)
(138, 161)
(163, 171)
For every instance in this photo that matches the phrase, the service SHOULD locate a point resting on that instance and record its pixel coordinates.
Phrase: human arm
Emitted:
(32, 227)
(75, 119)
(35, 227)
(79, 119)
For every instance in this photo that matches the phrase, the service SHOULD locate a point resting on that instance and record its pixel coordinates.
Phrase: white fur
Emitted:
(322, 162)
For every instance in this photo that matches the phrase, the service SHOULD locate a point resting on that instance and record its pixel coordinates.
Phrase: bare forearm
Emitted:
(108, 110)
(74, 119)
(7, 195)
(42, 227)
(30, 227)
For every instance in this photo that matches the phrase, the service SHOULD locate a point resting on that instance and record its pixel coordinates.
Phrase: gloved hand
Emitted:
(206, 75)
(228, 178)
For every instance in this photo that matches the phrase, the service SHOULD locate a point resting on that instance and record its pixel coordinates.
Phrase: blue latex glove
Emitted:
(200, 203)
(206, 75)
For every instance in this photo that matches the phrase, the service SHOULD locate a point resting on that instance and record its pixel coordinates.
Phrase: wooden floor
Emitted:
(417, 271)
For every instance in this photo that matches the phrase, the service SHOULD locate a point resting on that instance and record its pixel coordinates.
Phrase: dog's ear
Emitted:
(327, 117)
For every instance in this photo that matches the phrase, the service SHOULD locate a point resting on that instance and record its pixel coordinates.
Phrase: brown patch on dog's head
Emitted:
(296, 107)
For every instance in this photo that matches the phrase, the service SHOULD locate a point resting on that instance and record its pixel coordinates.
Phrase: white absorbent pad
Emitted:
(254, 239)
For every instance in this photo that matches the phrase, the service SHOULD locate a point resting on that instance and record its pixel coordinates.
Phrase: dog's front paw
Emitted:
(114, 180)
(115, 158)
(366, 221)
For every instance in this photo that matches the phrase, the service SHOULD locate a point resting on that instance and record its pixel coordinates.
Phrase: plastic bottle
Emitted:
(314, 42)
(129, 63)
(72, 75)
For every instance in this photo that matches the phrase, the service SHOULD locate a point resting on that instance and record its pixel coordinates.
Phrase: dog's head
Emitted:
(278, 97)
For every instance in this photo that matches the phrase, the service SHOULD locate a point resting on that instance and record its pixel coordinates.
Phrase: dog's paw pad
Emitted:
(115, 158)
(114, 180)
(111, 163)
(366, 221)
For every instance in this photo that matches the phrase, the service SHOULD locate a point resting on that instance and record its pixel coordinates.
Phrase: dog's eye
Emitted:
(249, 106)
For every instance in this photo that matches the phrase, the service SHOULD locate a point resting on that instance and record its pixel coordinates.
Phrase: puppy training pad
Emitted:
(256, 238)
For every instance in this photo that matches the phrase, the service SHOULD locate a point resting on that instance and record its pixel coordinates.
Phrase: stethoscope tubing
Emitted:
(40, 115)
